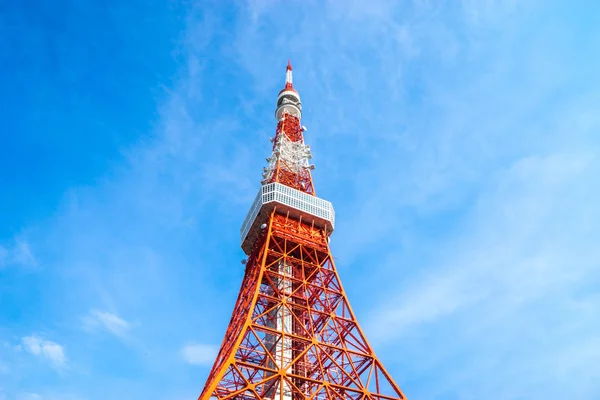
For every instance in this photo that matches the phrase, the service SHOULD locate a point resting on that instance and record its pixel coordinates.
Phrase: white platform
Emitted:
(297, 203)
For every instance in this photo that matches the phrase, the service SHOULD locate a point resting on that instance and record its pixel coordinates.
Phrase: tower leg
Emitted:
(280, 343)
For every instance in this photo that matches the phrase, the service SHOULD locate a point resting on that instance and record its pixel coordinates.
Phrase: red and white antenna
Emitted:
(289, 162)
(288, 100)
(288, 76)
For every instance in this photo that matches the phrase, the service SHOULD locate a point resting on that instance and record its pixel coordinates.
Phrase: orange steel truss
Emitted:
(325, 354)
(292, 334)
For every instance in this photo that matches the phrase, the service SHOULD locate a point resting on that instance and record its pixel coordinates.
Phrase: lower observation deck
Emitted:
(288, 201)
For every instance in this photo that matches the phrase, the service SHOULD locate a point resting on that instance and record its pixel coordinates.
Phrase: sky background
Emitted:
(459, 142)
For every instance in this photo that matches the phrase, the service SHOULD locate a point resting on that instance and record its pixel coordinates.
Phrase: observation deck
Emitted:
(287, 200)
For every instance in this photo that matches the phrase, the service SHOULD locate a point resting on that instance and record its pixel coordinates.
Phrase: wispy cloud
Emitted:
(47, 396)
(108, 322)
(18, 253)
(45, 349)
(520, 237)
(199, 354)
(454, 141)
(524, 270)
(462, 174)
(29, 396)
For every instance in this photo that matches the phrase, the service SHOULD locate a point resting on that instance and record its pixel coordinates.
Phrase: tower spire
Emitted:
(289, 86)
(292, 334)
(288, 76)
(289, 161)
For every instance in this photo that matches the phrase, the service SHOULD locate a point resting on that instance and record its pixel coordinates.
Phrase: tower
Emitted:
(292, 334)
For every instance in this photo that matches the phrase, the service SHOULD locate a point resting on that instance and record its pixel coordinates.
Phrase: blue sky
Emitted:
(458, 141)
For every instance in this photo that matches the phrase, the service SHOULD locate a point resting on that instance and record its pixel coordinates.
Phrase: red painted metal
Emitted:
(287, 173)
(321, 353)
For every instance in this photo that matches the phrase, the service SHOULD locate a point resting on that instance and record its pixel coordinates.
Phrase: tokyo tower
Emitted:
(292, 334)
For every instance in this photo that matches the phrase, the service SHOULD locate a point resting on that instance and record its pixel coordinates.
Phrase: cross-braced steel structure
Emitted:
(292, 334)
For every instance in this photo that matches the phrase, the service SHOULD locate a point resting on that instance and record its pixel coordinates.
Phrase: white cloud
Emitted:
(107, 321)
(29, 396)
(514, 282)
(199, 354)
(423, 166)
(3, 255)
(524, 239)
(19, 253)
(47, 396)
(480, 11)
(51, 351)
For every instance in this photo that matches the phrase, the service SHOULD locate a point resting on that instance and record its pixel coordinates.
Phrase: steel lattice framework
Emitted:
(292, 334)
